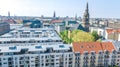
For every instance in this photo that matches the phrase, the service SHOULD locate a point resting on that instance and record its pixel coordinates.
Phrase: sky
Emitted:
(63, 8)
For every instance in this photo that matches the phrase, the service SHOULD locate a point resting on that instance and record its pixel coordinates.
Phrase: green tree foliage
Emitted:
(113, 66)
(64, 36)
(96, 36)
(81, 36)
(76, 36)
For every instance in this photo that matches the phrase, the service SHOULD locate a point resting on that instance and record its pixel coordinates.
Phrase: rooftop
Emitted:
(113, 31)
(46, 33)
(33, 48)
(92, 46)
(56, 21)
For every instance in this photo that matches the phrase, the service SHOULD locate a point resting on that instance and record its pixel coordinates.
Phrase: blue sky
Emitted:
(97, 8)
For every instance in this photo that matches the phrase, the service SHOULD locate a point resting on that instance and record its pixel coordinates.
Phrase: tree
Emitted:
(113, 66)
(95, 35)
(81, 36)
(64, 36)
(76, 36)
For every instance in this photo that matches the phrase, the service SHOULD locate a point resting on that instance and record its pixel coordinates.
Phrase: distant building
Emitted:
(62, 25)
(115, 25)
(54, 15)
(15, 26)
(4, 28)
(99, 23)
(8, 15)
(100, 31)
(85, 20)
(10, 21)
(59, 25)
(72, 25)
(113, 34)
(32, 23)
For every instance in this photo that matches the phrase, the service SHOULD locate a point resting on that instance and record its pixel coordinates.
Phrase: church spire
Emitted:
(87, 6)
(8, 15)
(54, 15)
(86, 14)
(85, 19)
(75, 16)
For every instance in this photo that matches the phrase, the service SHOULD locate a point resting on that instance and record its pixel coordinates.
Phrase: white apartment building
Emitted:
(117, 45)
(100, 31)
(26, 36)
(42, 47)
(60, 55)
(34, 47)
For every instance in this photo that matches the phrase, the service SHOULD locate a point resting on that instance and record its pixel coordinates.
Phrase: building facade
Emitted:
(36, 56)
(59, 25)
(113, 34)
(94, 54)
(4, 28)
(25, 35)
(34, 47)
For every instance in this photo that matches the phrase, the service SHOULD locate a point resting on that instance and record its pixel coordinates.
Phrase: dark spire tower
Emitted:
(75, 16)
(54, 15)
(8, 15)
(85, 19)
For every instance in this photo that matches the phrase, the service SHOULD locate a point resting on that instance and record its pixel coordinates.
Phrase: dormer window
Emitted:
(93, 46)
(81, 46)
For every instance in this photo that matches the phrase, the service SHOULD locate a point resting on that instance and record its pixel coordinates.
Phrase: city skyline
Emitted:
(97, 8)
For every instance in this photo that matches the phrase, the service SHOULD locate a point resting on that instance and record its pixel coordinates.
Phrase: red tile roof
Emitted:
(108, 46)
(11, 21)
(92, 46)
(112, 30)
(56, 21)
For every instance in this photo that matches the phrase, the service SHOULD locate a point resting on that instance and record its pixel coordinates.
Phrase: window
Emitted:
(20, 30)
(100, 52)
(38, 47)
(32, 30)
(92, 53)
(13, 48)
(5, 63)
(4, 58)
(61, 46)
